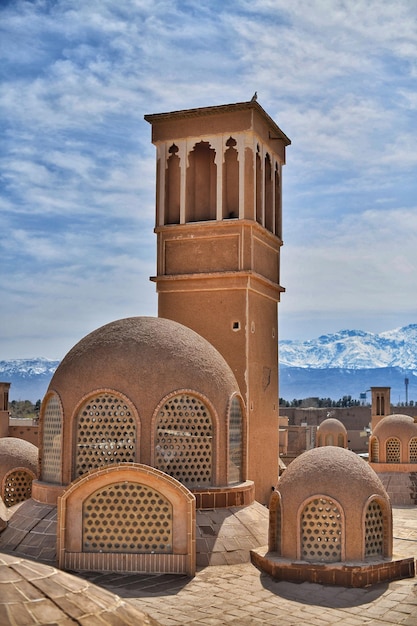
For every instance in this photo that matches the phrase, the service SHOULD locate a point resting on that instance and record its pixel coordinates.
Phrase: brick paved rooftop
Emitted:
(242, 595)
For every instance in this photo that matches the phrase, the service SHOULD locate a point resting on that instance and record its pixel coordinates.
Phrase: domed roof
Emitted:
(17, 453)
(330, 470)
(146, 357)
(396, 425)
(332, 425)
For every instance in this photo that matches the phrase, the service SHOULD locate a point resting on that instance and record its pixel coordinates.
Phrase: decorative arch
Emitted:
(106, 431)
(268, 187)
(172, 187)
(231, 181)
(52, 417)
(17, 486)
(277, 201)
(393, 450)
(321, 532)
(184, 438)
(341, 440)
(201, 183)
(258, 182)
(127, 518)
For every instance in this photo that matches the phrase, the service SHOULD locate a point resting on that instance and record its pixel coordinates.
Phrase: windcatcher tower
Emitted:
(219, 234)
(381, 404)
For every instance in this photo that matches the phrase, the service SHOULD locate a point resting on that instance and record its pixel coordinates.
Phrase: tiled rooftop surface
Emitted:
(242, 595)
(239, 594)
(32, 593)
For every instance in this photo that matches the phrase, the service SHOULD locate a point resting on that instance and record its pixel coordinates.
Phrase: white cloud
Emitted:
(78, 169)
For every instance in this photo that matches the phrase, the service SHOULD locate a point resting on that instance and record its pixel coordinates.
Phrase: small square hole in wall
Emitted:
(236, 326)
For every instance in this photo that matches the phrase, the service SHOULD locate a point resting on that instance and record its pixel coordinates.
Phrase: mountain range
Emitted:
(348, 362)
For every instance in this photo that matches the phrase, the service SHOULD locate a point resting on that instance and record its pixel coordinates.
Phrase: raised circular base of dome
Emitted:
(223, 536)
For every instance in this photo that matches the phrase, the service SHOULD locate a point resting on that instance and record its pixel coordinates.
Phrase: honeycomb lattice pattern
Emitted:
(321, 531)
(393, 450)
(235, 442)
(127, 517)
(106, 433)
(52, 441)
(375, 451)
(17, 487)
(413, 450)
(374, 530)
(183, 443)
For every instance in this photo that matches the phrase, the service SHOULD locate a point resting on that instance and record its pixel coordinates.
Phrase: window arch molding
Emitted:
(203, 453)
(129, 424)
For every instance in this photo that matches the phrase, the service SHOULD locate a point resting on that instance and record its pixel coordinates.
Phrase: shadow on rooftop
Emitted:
(328, 596)
(138, 585)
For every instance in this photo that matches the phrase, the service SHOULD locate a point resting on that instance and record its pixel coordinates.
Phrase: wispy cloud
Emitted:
(77, 168)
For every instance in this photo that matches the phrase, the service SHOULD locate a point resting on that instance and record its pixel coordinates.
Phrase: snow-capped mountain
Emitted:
(354, 349)
(345, 363)
(29, 378)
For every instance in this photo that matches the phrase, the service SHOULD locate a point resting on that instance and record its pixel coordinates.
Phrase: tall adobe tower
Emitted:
(219, 234)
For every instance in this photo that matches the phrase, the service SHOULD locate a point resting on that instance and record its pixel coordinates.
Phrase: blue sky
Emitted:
(77, 170)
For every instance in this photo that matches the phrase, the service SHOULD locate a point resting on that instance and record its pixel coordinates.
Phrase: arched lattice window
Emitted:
(374, 530)
(321, 531)
(374, 450)
(106, 433)
(17, 486)
(184, 439)
(393, 450)
(127, 517)
(413, 450)
(235, 441)
(341, 440)
(52, 441)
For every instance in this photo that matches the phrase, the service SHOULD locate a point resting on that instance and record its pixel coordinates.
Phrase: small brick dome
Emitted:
(331, 432)
(394, 441)
(318, 510)
(15, 452)
(18, 468)
(145, 390)
(331, 470)
(145, 358)
(397, 425)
